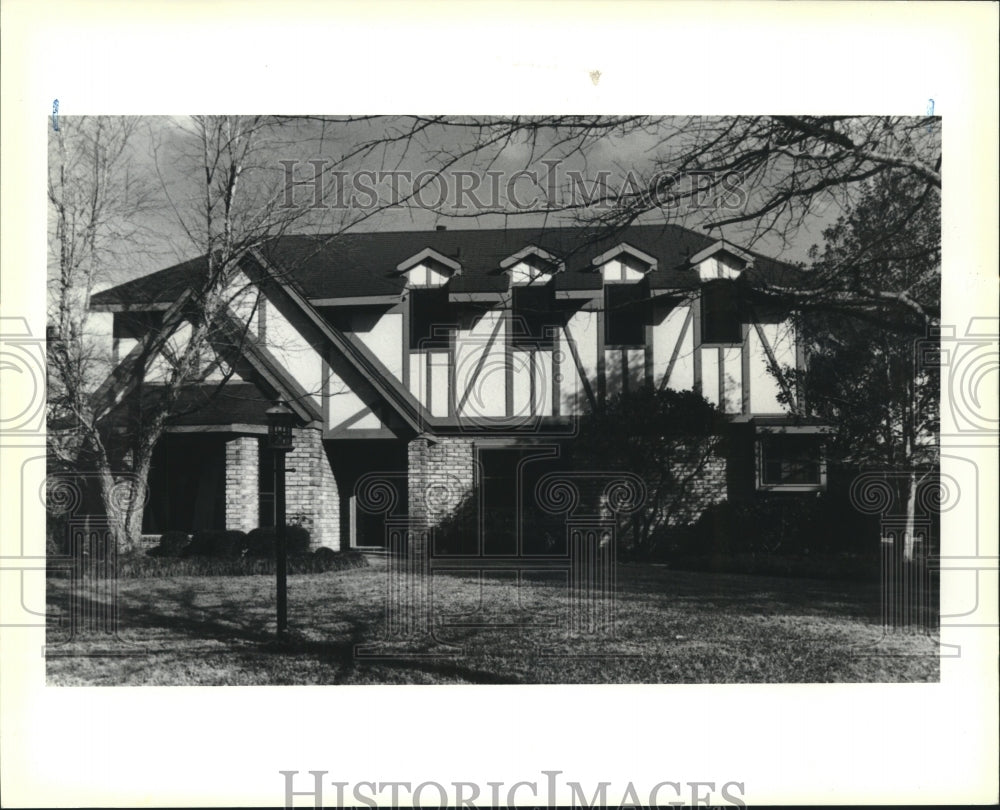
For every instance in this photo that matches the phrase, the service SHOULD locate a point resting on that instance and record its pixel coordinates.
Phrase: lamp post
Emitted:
(280, 420)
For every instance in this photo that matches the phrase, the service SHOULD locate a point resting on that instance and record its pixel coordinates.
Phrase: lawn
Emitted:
(670, 627)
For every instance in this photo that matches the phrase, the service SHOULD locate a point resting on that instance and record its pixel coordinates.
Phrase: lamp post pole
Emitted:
(280, 420)
(280, 545)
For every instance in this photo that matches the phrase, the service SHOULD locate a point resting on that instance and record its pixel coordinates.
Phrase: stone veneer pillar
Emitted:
(242, 483)
(312, 499)
(441, 473)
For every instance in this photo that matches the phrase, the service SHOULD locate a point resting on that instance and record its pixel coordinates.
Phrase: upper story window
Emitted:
(427, 275)
(624, 315)
(534, 316)
(429, 318)
(624, 269)
(530, 272)
(721, 320)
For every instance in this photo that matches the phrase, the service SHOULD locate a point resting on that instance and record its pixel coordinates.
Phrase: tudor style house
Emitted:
(424, 365)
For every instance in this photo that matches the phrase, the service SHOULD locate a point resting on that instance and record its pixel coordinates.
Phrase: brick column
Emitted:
(441, 474)
(312, 499)
(242, 476)
(416, 480)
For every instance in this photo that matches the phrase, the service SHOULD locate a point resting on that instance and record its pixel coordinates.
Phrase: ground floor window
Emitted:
(790, 462)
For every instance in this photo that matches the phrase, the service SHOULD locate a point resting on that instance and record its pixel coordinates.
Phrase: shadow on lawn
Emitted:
(661, 613)
(744, 592)
(752, 593)
(157, 631)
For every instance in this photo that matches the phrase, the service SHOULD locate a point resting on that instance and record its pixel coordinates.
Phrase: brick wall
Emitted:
(441, 474)
(242, 477)
(312, 499)
(708, 486)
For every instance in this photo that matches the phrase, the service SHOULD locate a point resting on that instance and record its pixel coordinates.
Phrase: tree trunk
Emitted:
(909, 539)
(124, 501)
(116, 522)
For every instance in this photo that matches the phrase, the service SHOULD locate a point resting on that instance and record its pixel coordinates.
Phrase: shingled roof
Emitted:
(242, 403)
(355, 265)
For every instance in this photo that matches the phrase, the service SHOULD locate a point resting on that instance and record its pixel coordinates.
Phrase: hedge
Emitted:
(172, 544)
(261, 542)
(221, 543)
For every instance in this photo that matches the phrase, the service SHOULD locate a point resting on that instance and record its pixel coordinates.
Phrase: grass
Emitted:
(671, 627)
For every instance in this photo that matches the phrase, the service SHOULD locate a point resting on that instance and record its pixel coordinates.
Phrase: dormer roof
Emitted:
(533, 251)
(722, 246)
(626, 249)
(428, 254)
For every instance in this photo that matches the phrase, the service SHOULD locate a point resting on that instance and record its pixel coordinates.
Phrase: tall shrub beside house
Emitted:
(673, 440)
(875, 380)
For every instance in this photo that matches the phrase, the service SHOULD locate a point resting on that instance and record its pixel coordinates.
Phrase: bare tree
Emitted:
(234, 211)
(95, 198)
(871, 382)
(758, 180)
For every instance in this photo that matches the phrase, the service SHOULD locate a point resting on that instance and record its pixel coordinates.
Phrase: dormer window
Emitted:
(531, 266)
(428, 268)
(624, 263)
(721, 261)
(623, 269)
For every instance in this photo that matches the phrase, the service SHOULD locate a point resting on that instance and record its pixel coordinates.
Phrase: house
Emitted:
(425, 365)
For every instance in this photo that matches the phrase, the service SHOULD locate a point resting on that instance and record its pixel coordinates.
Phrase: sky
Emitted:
(165, 159)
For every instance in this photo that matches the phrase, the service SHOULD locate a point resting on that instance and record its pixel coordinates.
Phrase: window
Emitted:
(624, 268)
(624, 315)
(790, 461)
(429, 318)
(720, 313)
(533, 316)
